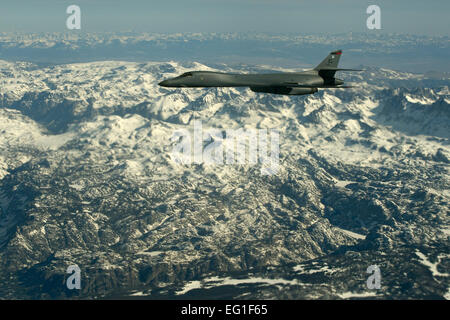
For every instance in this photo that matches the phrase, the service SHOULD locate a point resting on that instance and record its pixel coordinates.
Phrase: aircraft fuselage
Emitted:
(219, 79)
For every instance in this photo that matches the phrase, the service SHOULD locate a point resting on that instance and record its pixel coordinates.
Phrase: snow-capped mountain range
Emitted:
(86, 178)
(417, 53)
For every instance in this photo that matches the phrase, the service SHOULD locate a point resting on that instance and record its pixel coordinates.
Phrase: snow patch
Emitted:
(352, 234)
(217, 282)
(349, 295)
(432, 266)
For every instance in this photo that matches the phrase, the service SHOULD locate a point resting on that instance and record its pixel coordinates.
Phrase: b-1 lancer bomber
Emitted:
(292, 83)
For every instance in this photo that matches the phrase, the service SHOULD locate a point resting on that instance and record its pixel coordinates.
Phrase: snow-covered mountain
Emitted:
(86, 178)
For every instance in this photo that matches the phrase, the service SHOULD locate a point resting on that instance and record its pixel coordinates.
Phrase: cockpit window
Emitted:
(187, 74)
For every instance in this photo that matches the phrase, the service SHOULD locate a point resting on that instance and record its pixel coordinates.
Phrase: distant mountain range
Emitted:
(412, 53)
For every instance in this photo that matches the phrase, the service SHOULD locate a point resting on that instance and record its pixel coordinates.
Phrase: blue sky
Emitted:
(278, 16)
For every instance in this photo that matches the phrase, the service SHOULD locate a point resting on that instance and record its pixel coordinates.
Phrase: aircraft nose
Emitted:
(164, 83)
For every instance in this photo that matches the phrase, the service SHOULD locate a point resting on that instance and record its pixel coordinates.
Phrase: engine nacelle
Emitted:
(302, 91)
(333, 82)
(284, 90)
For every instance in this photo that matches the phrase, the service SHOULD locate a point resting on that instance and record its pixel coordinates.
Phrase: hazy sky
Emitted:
(278, 16)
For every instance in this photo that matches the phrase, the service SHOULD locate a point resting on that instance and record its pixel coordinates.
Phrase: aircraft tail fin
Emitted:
(330, 62)
(328, 67)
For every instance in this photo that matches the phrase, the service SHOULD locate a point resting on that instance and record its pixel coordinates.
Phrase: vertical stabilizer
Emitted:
(331, 61)
(328, 67)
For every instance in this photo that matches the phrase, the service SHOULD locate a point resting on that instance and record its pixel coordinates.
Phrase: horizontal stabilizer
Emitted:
(340, 69)
(343, 87)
